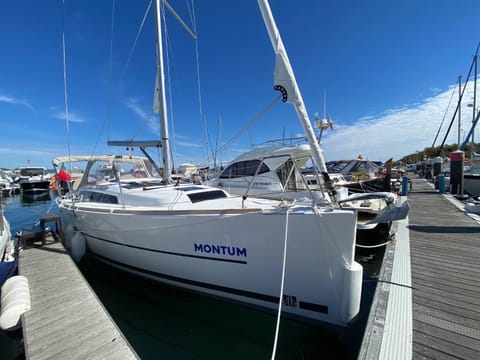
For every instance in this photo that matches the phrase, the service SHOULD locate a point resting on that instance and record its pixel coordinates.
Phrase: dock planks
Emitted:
(66, 321)
(445, 253)
(440, 317)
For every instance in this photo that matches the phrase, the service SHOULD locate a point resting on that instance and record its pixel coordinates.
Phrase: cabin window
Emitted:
(206, 195)
(91, 196)
(244, 168)
(283, 173)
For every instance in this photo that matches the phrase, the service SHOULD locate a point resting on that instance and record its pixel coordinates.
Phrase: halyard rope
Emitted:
(274, 351)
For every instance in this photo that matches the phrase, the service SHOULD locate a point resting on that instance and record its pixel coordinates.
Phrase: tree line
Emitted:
(430, 152)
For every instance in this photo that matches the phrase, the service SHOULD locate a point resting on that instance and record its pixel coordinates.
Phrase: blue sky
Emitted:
(388, 69)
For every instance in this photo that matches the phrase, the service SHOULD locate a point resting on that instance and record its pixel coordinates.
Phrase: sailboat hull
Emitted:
(237, 256)
(472, 184)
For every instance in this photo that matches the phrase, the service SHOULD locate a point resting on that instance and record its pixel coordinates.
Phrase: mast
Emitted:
(459, 107)
(474, 105)
(285, 82)
(161, 98)
(476, 116)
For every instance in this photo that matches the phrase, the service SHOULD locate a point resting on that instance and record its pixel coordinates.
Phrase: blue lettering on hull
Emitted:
(220, 250)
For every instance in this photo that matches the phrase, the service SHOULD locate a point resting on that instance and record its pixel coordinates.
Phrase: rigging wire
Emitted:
(142, 125)
(246, 127)
(134, 45)
(200, 107)
(191, 11)
(217, 140)
(444, 115)
(124, 70)
(166, 5)
(130, 54)
(106, 122)
(459, 100)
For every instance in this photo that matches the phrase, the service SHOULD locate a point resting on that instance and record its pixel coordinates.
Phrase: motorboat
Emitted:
(295, 257)
(282, 172)
(34, 182)
(360, 175)
(273, 171)
(7, 185)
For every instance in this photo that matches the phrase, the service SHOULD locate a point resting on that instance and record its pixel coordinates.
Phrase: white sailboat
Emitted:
(203, 239)
(14, 292)
(8, 253)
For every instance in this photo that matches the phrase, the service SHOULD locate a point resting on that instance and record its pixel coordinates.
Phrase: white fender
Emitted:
(15, 301)
(68, 234)
(78, 246)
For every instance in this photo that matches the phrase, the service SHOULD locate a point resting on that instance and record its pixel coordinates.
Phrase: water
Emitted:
(165, 322)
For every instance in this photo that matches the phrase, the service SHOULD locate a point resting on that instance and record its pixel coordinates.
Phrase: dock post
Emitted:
(441, 183)
(404, 186)
(456, 172)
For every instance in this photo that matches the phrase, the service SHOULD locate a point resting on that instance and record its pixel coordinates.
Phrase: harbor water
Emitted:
(164, 322)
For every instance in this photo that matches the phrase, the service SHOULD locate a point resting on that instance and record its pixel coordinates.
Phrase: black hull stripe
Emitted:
(192, 282)
(167, 252)
(249, 294)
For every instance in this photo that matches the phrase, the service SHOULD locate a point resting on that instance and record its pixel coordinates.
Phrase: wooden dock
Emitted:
(66, 321)
(439, 315)
(445, 262)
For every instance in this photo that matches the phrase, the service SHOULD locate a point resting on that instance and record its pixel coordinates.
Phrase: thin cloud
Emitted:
(27, 152)
(186, 141)
(11, 100)
(146, 116)
(72, 117)
(133, 105)
(399, 132)
(188, 144)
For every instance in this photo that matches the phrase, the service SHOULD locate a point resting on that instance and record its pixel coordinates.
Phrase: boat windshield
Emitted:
(116, 170)
(244, 168)
(32, 171)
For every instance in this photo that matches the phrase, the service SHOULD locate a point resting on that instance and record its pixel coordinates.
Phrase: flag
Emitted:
(63, 174)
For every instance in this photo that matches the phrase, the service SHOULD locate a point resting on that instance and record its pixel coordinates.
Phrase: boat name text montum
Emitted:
(220, 249)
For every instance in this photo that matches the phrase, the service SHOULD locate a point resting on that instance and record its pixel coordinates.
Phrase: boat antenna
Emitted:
(325, 104)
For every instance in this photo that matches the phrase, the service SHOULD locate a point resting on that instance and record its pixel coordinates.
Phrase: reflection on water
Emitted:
(35, 200)
(24, 212)
(162, 321)
(159, 320)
